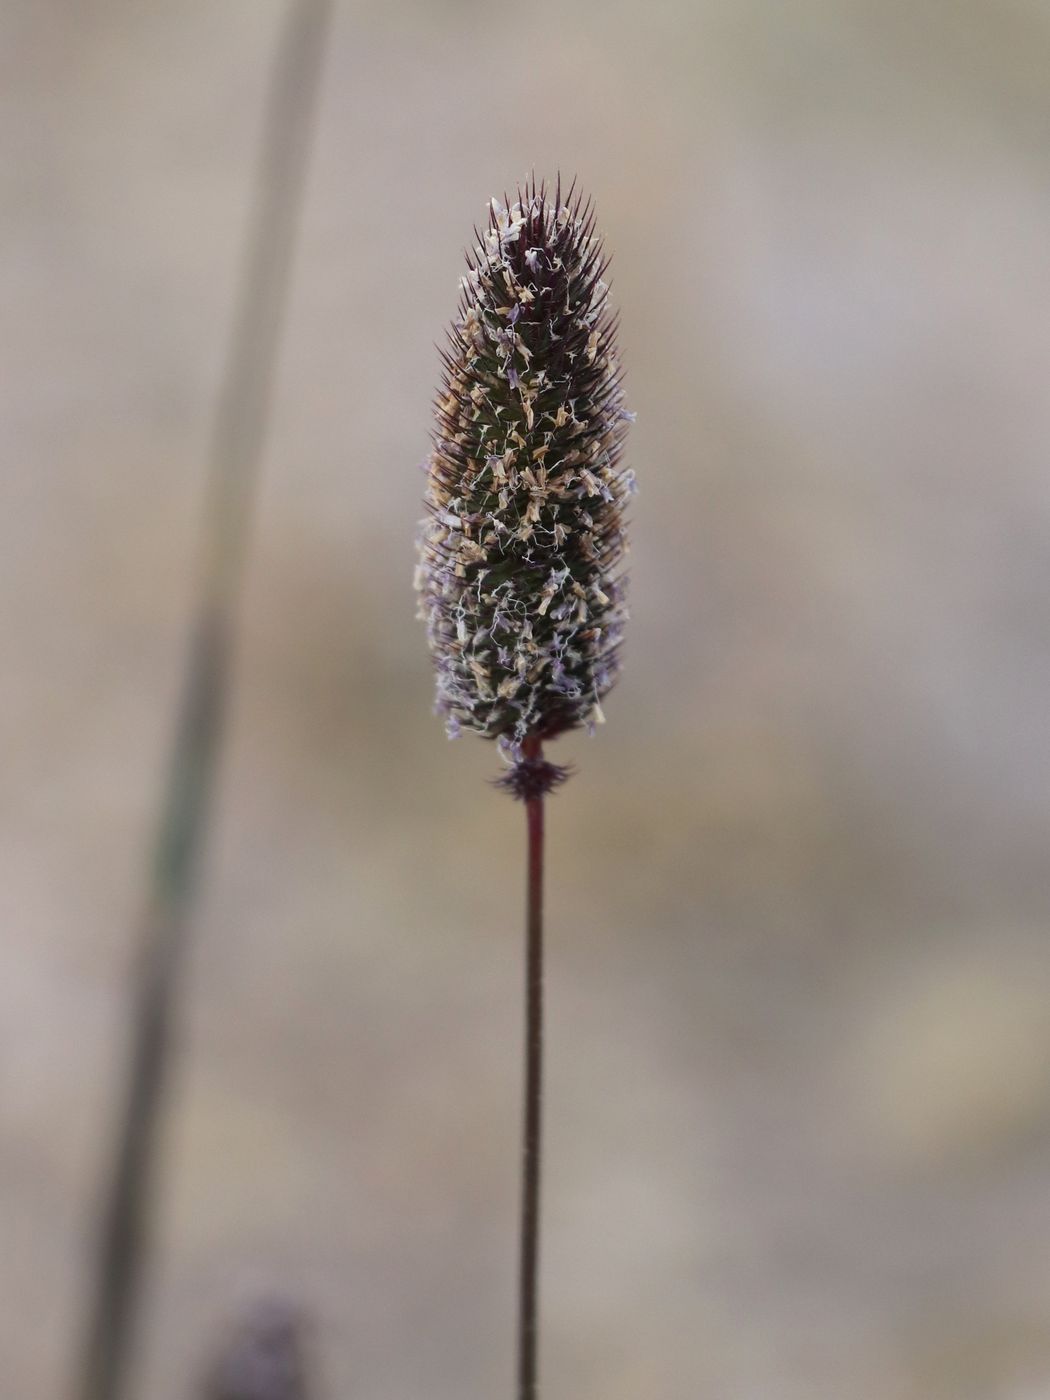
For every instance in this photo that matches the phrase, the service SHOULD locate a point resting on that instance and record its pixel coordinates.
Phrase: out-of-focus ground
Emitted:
(799, 1038)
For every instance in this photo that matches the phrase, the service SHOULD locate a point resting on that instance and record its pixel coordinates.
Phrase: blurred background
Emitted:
(798, 1104)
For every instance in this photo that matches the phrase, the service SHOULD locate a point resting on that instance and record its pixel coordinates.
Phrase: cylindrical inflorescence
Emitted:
(520, 577)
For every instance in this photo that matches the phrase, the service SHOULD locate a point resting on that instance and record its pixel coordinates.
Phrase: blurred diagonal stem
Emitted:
(240, 426)
(531, 1134)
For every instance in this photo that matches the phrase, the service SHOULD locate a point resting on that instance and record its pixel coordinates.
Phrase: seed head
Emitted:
(519, 579)
(264, 1357)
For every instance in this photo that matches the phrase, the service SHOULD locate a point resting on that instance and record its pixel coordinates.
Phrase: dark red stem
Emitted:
(530, 1190)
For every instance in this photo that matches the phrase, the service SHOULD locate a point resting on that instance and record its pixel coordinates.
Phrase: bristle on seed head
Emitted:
(530, 778)
(520, 577)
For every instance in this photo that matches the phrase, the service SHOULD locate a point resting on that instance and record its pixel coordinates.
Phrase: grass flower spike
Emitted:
(520, 577)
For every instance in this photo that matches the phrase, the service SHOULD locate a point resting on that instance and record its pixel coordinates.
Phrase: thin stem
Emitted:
(530, 1189)
(236, 450)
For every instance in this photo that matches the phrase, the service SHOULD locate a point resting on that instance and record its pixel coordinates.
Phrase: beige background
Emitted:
(799, 1049)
